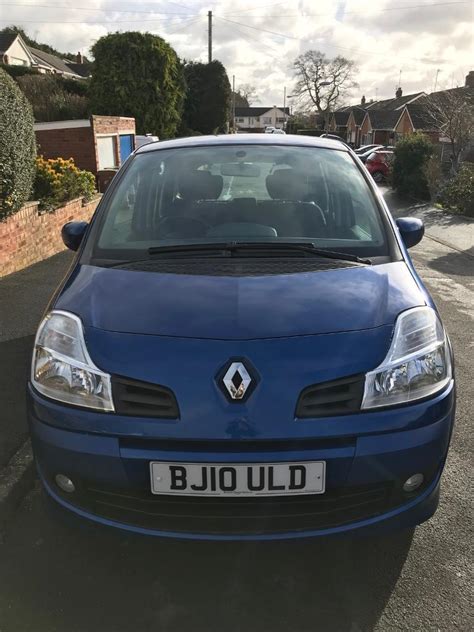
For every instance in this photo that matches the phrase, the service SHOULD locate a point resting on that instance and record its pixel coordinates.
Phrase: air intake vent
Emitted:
(142, 399)
(338, 397)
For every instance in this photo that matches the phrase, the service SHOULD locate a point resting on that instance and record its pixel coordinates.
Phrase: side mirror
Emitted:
(411, 229)
(72, 234)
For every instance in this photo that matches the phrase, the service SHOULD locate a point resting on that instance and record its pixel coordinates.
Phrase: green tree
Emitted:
(17, 147)
(138, 74)
(412, 154)
(208, 97)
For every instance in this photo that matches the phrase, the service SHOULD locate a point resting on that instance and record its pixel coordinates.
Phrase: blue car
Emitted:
(242, 349)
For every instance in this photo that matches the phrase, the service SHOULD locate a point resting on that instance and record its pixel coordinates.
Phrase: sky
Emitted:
(429, 41)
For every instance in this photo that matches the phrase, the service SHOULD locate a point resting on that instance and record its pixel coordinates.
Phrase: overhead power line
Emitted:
(345, 48)
(321, 15)
(96, 9)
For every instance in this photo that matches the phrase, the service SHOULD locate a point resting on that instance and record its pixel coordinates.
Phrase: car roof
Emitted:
(245, 139)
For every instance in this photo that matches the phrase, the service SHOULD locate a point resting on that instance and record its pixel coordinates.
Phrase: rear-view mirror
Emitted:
(242, 169)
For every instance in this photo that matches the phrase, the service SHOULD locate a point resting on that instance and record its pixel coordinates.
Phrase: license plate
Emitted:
(238, 479)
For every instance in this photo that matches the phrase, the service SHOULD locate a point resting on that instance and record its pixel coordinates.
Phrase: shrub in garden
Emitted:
(458, 193)
(53, 99)
(17, 147)
(412, 154)
(58, 180)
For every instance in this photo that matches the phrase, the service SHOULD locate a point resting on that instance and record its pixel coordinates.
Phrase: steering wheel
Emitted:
(181, 227)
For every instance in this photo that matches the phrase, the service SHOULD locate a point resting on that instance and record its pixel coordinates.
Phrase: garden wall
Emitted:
(30, 236)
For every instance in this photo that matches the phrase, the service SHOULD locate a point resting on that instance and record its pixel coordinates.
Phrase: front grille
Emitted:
(142, 399)
(337, 397)
(234, 516)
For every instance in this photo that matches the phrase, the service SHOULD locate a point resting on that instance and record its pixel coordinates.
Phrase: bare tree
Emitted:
(323, 82)
(247, 92)
(451, 113)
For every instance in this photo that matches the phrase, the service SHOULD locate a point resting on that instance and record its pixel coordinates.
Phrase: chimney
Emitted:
(79, 58)
(398, 92)
(470, 79)
(362, 101)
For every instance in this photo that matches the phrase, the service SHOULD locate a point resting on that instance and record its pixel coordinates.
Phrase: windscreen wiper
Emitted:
(258, 249)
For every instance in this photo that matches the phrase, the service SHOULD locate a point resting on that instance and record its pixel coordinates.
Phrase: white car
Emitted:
(277, 130)
(269, 129)
(144, 140)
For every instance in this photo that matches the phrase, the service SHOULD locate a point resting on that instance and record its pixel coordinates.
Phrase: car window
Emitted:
(242, 192)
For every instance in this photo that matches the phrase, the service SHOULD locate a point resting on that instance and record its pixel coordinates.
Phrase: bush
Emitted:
(52, 99)
(412, 154)
(58, 180)
(458, 193)
(139, 75)
(18, 71)
(17, 147)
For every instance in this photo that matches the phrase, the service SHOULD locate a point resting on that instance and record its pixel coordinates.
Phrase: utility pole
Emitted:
(233, 104)
(436, 81)
(284, 107)
(209, 35)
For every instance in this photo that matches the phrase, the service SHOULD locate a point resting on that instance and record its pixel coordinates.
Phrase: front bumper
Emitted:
(365, 474)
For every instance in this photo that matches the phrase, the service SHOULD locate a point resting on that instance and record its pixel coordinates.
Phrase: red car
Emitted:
(378, 164)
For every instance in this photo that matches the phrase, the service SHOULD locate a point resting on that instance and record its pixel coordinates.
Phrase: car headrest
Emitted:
(286, 184)
(200, 185)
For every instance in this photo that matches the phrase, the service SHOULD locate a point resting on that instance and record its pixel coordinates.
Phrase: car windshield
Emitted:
(241, 193)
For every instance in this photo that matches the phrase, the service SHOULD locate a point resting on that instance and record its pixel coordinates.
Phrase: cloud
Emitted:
(257, 42)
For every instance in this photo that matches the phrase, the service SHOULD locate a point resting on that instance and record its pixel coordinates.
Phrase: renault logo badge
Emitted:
(237, 380)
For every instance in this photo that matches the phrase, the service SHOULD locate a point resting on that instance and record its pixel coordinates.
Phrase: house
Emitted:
(15, 52)
(255, 119)
(395, 104)
(354, 123)
(99, 144)
(338, 122)
(51, 64)
(379, 127)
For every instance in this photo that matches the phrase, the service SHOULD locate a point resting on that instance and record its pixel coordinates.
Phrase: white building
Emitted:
(14, 52)
(256, 119)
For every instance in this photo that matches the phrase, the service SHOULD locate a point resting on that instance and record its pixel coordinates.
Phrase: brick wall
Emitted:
(113, 124)
(28, 236)
(73, 142)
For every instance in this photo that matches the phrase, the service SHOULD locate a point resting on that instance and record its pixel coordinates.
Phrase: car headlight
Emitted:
(418, 363)
(62, 368)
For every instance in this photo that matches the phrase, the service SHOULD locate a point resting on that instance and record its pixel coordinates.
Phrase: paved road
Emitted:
(54, 578)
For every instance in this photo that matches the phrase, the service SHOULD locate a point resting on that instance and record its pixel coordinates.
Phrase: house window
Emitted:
(239, 120)
(281, 119)
(106, 152)
(267, 119)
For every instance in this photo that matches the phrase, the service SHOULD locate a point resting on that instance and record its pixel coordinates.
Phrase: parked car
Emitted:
(145, 139)
(277, 130)
(364, 155)
(365, 148)
(269, 129)
(378, 164)
(242, 349)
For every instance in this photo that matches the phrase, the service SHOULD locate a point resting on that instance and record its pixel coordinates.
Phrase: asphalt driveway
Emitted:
(56, 578)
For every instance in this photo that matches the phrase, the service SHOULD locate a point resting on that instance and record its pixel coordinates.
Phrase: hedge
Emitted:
(17, 147)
